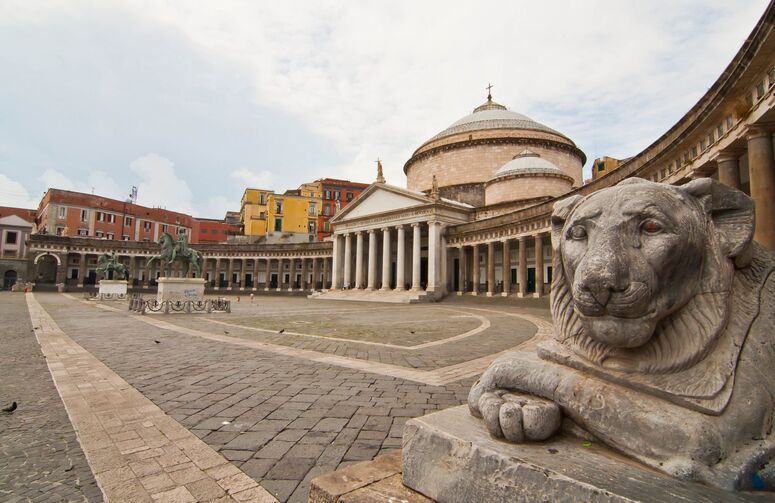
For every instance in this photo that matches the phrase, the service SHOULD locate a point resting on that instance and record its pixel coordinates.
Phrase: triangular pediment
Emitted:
(381, 198)
(14, 221)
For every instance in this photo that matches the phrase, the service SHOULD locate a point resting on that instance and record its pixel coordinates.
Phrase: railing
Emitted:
(139, 305)
(105, 296)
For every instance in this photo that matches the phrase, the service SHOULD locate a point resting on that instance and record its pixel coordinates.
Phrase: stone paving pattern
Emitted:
(284, 420)
(40, 457)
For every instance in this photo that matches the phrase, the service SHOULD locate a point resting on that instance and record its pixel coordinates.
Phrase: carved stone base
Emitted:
(450, 457)
(180, 289)
(112, 287)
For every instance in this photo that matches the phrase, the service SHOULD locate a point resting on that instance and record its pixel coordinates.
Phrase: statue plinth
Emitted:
(450, 456)
(112, 288)
(176, 289)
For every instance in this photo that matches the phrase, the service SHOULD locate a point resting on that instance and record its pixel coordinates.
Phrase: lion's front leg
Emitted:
(519, 417)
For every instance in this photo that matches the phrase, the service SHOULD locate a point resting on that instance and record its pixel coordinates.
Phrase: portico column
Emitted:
(387, 258)
(506, 268)
(359, 259)
(728, 169)
(761, 172)
(434, 259)
(539, 252)
(325, 273)
(268, 274)
(490, 268)
(444, 265)
(416, 236)
(217, 273)
(461, 276)
(372, 260)
(255, 274)
(82, 270)
(279, 274)
(243, 274)
(400, 258)
(315, 272)
(522, 267)
(336, 262)
(475, 267)
(348, 259)
(131, 272)
(230, 274)
(291, 274)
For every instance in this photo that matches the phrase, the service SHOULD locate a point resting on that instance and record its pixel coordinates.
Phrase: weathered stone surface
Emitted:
(112, 287)
(450, 457)
(663, 344)
(330, 487)
(180, 289)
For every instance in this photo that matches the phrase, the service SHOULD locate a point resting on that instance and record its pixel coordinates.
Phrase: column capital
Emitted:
(399, 226)
(726, 155)
(372, 231)
(752, 132)
(385, 229)
(358, 233)
(416, 224)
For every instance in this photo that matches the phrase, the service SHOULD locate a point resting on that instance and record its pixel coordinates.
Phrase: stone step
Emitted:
(390, 296)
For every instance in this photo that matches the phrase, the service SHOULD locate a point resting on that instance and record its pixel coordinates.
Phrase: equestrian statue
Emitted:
(172, 250)
(109, 266)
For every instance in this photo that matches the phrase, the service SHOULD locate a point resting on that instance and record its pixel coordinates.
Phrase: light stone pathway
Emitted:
(436, 377)
(137, 453)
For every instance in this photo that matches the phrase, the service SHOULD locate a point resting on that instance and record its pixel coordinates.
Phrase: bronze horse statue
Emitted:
(109, 266)
(172, 250)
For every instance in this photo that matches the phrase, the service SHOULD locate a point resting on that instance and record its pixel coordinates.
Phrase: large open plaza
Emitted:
(281, 390)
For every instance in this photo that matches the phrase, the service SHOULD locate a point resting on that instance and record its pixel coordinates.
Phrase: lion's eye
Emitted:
(578, 232)
(651, 227)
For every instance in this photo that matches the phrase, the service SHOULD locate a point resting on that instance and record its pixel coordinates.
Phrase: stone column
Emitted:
(348, 259)
(81, 270)
(358, 282)
(522, 267)
(506, 268)
(255, 274)
(400, 258)
(230, 274)
(217, 274)
(372, 282)
(539, 252)
(416, 240)
(243, 273)
(315, 273)
(131, 271)
(280, 274)
(325, 273)
(387, 258)
(291, 274)
(761, 172)
(475, 264)
(434, 260)
(444, 266)
(490, 268)
(728, 169)
(267, 275)
(336, 262)
(461, 270)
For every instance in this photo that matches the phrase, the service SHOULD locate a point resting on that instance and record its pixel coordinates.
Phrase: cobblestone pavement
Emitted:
(40, 457)
(282, 420)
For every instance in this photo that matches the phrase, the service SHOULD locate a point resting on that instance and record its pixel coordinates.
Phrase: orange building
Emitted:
(210, 230)
(334, 190)
(75, 214)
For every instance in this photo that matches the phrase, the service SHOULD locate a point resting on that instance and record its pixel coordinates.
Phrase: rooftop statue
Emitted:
(664, 334)
(109, 266)
(179, 250)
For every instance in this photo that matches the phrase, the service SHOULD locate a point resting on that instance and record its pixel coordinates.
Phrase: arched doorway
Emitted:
(47, 269)
(9, 279)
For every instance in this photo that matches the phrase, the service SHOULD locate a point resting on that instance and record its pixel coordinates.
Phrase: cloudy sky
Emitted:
(194, 101)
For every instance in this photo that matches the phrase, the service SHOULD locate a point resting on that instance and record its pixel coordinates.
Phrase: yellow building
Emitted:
(603, 166)
(290, 216)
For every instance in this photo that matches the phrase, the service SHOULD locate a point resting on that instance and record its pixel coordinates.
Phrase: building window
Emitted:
(11, 238)
(99, 234)
(600, 166)
(349, 196)
(261, 215)
(213, 231)
(147, 225)
(127, 221)
(326, 211)
(337, 195)
(278, 224)
(61, 212)
(262, 198)
(110, 235)
(83, 232)
(326, 226)
(125, 237)
(111, 218)
(312, 209)
(84, 215)
(164, 227)
(278, 207)
(326, 194)
(311, 226)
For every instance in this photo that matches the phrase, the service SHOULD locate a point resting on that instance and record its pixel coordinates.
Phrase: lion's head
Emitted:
(643, 271)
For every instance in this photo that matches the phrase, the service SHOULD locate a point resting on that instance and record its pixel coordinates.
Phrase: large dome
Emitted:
(491, 115)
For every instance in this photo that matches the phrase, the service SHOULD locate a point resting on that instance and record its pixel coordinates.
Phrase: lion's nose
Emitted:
(599, 289)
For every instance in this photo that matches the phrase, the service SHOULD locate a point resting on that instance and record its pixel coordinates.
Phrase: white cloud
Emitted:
(160, 184)
(53, 179)
(262, 179)
(12, 193)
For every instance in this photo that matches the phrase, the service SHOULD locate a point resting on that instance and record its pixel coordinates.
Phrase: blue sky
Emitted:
(194, 101)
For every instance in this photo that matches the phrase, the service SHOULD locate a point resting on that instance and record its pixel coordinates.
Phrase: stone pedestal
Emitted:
(180, 289)
(112, 288)
(450, 457)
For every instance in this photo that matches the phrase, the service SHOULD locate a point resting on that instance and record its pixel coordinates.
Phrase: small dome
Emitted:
(527, 162)
(491, 115)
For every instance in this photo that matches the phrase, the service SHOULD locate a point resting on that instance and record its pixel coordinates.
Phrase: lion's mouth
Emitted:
(634, 302)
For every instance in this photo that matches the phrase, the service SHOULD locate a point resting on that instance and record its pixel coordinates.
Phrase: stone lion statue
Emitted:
(664, 335)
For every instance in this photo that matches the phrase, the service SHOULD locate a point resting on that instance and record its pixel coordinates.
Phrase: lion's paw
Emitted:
(519, 418)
